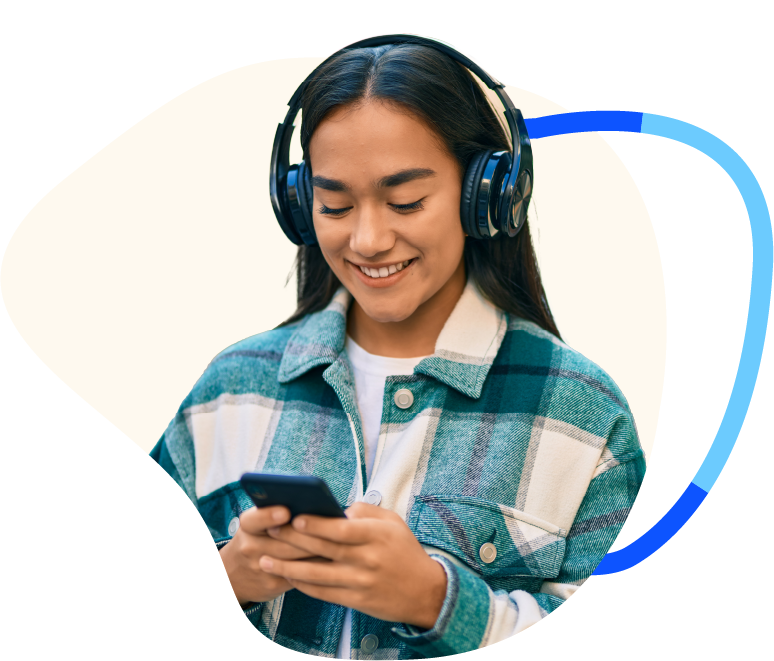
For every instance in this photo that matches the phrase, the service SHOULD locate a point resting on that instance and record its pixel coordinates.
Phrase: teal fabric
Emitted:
(479, 479)
(461, 525)
(462, 622)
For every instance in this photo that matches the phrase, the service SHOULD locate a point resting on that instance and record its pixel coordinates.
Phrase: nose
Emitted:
(371, 232)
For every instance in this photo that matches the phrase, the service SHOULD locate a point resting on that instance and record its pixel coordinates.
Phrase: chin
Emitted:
(388, 313)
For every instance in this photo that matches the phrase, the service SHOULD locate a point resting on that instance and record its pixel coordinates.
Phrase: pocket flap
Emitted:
(523, 544)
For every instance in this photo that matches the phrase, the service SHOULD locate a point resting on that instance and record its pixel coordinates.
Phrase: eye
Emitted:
(332, 212)
(407, 208)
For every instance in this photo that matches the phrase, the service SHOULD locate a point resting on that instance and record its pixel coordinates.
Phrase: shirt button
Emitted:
(373, 497)
(233, 526)
(369, 643)
(487, 552)
(403, 398)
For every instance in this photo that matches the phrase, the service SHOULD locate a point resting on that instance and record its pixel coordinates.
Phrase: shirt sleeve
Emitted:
(473, 615)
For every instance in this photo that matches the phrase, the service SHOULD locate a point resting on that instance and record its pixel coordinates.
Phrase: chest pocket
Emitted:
(492, 539)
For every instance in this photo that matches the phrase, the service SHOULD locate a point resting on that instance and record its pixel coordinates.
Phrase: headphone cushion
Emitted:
(470, 187)
(305, 200)
(306, 182)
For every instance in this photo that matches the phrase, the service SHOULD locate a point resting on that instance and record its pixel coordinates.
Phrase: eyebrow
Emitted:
(404, 176)
(391, 180)
(329, 184)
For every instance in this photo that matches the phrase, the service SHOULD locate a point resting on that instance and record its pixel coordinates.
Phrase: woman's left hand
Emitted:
(376, 565)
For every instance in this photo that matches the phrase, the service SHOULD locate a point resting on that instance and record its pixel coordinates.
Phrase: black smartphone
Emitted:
(301, 494)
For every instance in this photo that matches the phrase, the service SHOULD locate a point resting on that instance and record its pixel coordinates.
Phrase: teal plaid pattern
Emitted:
(513, 439)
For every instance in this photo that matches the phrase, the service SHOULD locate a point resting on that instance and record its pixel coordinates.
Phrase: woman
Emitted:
(487, 466)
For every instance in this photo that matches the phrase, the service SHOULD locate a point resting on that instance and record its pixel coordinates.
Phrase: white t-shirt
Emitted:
(370, 374)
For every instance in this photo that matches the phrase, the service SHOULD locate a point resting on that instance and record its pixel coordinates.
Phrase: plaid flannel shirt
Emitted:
(513, 439)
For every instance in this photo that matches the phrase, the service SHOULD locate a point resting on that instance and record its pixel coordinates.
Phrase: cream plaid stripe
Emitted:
(513, 440)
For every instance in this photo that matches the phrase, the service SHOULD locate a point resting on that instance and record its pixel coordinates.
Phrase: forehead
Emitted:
(375, 139)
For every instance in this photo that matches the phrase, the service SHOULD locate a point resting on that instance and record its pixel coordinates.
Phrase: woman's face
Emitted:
(387, 208)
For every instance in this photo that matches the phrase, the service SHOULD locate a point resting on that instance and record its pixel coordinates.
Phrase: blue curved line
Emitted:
(757, 315)
(582, 122)
(760, 286)
(657, 536)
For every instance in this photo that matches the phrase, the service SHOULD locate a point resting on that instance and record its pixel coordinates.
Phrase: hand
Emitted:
(376, 565)
(243, 552)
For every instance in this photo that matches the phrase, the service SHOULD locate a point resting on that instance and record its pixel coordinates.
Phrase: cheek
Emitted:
(333, 239)
(331, 236)
(450, 253)
(444, 237)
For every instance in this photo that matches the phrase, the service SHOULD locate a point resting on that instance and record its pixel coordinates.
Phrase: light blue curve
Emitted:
(760, 288)
(757, 317)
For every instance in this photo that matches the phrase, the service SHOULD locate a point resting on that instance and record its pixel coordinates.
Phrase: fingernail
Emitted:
(299, 523)
(278, 515)
(266, 563)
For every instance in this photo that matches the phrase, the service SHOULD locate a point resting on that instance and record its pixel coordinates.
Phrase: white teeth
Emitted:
(385, 270)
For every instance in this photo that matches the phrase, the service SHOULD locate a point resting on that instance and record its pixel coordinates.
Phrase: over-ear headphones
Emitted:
(496, 188)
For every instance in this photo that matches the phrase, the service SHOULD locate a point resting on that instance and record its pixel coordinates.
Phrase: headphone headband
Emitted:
(509, 203)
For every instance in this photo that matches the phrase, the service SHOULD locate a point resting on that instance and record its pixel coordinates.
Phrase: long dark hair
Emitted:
(445, 95)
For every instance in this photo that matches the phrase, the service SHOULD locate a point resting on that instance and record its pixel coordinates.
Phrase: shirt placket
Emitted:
(339, 377)
(371, 637)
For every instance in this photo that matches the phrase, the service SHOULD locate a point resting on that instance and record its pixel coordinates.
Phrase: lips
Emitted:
(382, 275)
(384, 271)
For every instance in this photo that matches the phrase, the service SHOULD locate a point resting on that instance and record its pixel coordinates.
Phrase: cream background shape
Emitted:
(162, 250)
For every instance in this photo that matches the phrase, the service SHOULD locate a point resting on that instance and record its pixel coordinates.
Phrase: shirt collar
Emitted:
(464, 352)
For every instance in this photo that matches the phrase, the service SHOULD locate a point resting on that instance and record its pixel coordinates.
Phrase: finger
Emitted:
(282, 550)
(343, 531)
(342, 596)
(320, 573)
(256, 520)
(312, 545)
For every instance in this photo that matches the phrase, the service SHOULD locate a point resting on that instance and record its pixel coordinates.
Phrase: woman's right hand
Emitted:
(244, 550)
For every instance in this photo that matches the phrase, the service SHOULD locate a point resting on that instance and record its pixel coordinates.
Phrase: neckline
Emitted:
(374, 364)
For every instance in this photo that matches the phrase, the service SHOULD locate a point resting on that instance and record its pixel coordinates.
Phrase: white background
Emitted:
(102, 555)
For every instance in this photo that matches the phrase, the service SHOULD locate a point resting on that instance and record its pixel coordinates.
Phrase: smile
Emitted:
(384, 271)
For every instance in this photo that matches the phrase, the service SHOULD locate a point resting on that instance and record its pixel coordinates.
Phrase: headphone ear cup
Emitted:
(286, 218)
(471, 183)
(283, 194)
(516, 204)
(309, 195)
(305, 197)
